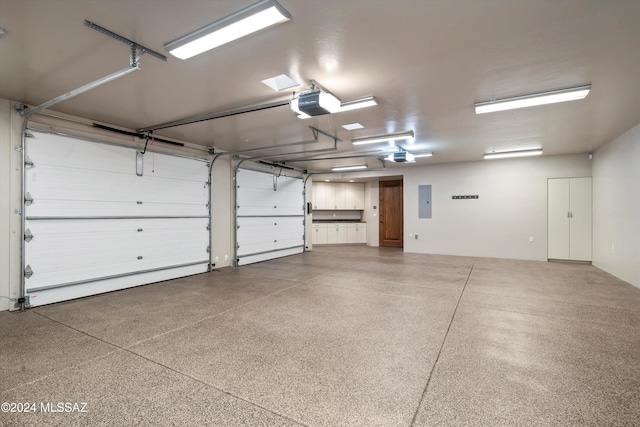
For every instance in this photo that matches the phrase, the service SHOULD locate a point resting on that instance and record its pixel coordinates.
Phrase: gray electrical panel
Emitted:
(424, 201)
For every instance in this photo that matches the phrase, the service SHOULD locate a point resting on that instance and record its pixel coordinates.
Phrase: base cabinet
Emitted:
(339, 233)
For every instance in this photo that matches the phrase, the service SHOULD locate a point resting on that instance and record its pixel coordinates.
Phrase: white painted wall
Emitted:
(371, 215)
(512, 206)
(10, 193)
(308, 218)
(616, 209)
(222, 219)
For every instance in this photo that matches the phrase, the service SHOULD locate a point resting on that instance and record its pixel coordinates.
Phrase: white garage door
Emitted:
(94, 225)
(269, 216)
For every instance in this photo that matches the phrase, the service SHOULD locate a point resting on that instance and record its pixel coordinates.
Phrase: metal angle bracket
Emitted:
(317, 131)
(135, 47)
(28, 163)
(19, 108)
(28, 272)
(22, 303)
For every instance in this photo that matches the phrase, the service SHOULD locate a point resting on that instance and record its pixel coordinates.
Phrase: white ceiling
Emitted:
(426, 61)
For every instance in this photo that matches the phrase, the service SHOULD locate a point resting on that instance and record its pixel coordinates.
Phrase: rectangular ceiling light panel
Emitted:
(255, 17)
(383, 138)
(552, 97)
(369, 101)
(348, 168)
(508, 154)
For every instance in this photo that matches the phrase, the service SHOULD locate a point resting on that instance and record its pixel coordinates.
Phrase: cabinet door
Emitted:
(320, 195)
(355, 196)
(352, 234)
(330, 195)
(342, 231)
(558, 218)
(320, 234)
(361, 233)
(580, 221)
(341, 196)
(332, 234)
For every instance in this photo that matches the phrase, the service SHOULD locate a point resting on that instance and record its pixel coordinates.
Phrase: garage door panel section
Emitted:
(272, 233)
(95, 187)
(72, 251)
(96, 226)
(269, 216)
(256, 194)
(65, 293)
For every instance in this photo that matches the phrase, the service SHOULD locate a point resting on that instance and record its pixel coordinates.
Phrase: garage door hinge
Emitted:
(29, 135)
(28, 236)
(208, 227)
(28, 272)
(28, 199)
(208, 204)
(23, 302)
(208, 249)
(28, 163)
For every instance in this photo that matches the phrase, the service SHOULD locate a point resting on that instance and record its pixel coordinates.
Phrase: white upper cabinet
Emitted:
(338, 196)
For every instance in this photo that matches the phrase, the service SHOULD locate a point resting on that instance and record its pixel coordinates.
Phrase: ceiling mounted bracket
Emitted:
(137, 50)
(316, 131)
(315, 86)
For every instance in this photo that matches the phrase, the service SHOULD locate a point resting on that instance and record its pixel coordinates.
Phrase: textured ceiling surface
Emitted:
(426, 61)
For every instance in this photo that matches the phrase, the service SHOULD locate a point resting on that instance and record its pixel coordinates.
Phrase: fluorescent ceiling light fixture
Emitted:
(348, 168)
(281, 82)
(383, 138)
(562, 95)
(423, 155)
(353, 126)
(507, 154)
(255, 17)
(369, 101)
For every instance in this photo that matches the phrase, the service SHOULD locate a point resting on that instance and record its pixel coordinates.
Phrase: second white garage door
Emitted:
(269, 216)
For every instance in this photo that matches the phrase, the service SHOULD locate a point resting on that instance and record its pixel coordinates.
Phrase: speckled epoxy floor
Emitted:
(341, 336)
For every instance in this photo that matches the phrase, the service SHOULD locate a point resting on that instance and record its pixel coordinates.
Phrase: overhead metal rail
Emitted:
(213, 116)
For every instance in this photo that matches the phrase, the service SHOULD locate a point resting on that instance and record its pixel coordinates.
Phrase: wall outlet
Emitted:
(531, 238)
(215, 259)
(613, 246)
(226, 257)
(410, 235)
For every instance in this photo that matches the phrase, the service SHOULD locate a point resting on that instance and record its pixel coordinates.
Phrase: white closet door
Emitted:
(269, 216)
(94, 226)
(580, 222)
(569, 221)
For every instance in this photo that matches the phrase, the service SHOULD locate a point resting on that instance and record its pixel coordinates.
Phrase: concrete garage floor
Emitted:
(341, 336)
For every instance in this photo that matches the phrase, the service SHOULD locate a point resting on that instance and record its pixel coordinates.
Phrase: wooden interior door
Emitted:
(391, 214)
